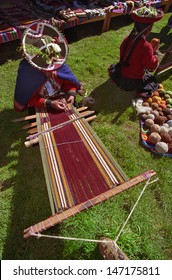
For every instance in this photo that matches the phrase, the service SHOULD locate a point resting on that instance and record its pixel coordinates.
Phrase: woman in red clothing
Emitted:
(41, 89)
(137, 58)
(43, 79)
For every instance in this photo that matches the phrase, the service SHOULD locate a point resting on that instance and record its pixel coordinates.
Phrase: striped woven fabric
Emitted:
(76, 164)
(79, 171)
(10, 35)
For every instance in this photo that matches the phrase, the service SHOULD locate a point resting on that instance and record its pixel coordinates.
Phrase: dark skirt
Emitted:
(147, 84)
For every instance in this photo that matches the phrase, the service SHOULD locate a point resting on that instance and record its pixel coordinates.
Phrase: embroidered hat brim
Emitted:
(146, 19)
(44, 47)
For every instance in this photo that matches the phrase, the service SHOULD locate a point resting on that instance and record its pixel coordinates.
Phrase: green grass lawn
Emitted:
(23, 196)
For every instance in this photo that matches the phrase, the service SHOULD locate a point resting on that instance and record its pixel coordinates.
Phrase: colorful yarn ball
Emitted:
(143, 116)
(161, 113)
(161, 147)
(154, 138)
(159, 109)
(155, 128)
(155, 93)
(169, 117)
(170, 148)
(148, 111)
(145, 104)
(164, 129)
(149, 122)
(159, 120)
(156, 98)
(154, 105)
(155, 113)
(166, 125)
(149, 100)
(151, 116)
(169, 123)
(170, 131)
(166, 111)
(165, 137)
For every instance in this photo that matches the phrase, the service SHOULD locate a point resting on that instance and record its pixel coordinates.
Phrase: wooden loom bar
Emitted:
(82, 108)
(32, 142)
(88, 112)
(29, 125)
(57, 218)
(83, 115)
(24, 118)
(32, 130)
(35, 130)
(30, 117)
(89, 119)
(34, 138)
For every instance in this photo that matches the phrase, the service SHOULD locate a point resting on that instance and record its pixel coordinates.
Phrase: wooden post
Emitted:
(109, 250)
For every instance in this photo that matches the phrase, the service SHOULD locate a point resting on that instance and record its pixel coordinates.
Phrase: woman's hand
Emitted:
(59, 104)
(155, 44)
(71, 99)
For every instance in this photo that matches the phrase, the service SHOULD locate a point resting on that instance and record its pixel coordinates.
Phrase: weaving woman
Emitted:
(137, 55)
(44, 80)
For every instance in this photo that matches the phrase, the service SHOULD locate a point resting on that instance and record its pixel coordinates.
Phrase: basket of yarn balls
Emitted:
(156, 122)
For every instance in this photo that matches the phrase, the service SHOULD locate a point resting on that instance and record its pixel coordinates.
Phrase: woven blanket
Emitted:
(77, 165)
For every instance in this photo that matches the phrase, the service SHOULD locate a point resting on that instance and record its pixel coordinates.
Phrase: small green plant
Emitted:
(147, 12)
(33, 50)
(50, 48)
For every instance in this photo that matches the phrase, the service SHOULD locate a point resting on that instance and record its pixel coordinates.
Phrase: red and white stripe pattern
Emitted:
(54, 165)
(94, 149)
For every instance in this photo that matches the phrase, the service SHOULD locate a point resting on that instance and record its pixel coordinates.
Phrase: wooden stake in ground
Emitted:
(109, 250)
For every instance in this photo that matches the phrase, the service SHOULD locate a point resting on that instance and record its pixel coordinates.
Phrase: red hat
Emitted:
(142, 15)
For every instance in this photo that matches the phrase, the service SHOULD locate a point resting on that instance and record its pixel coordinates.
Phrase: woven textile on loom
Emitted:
(79, 171)
(76, 164)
